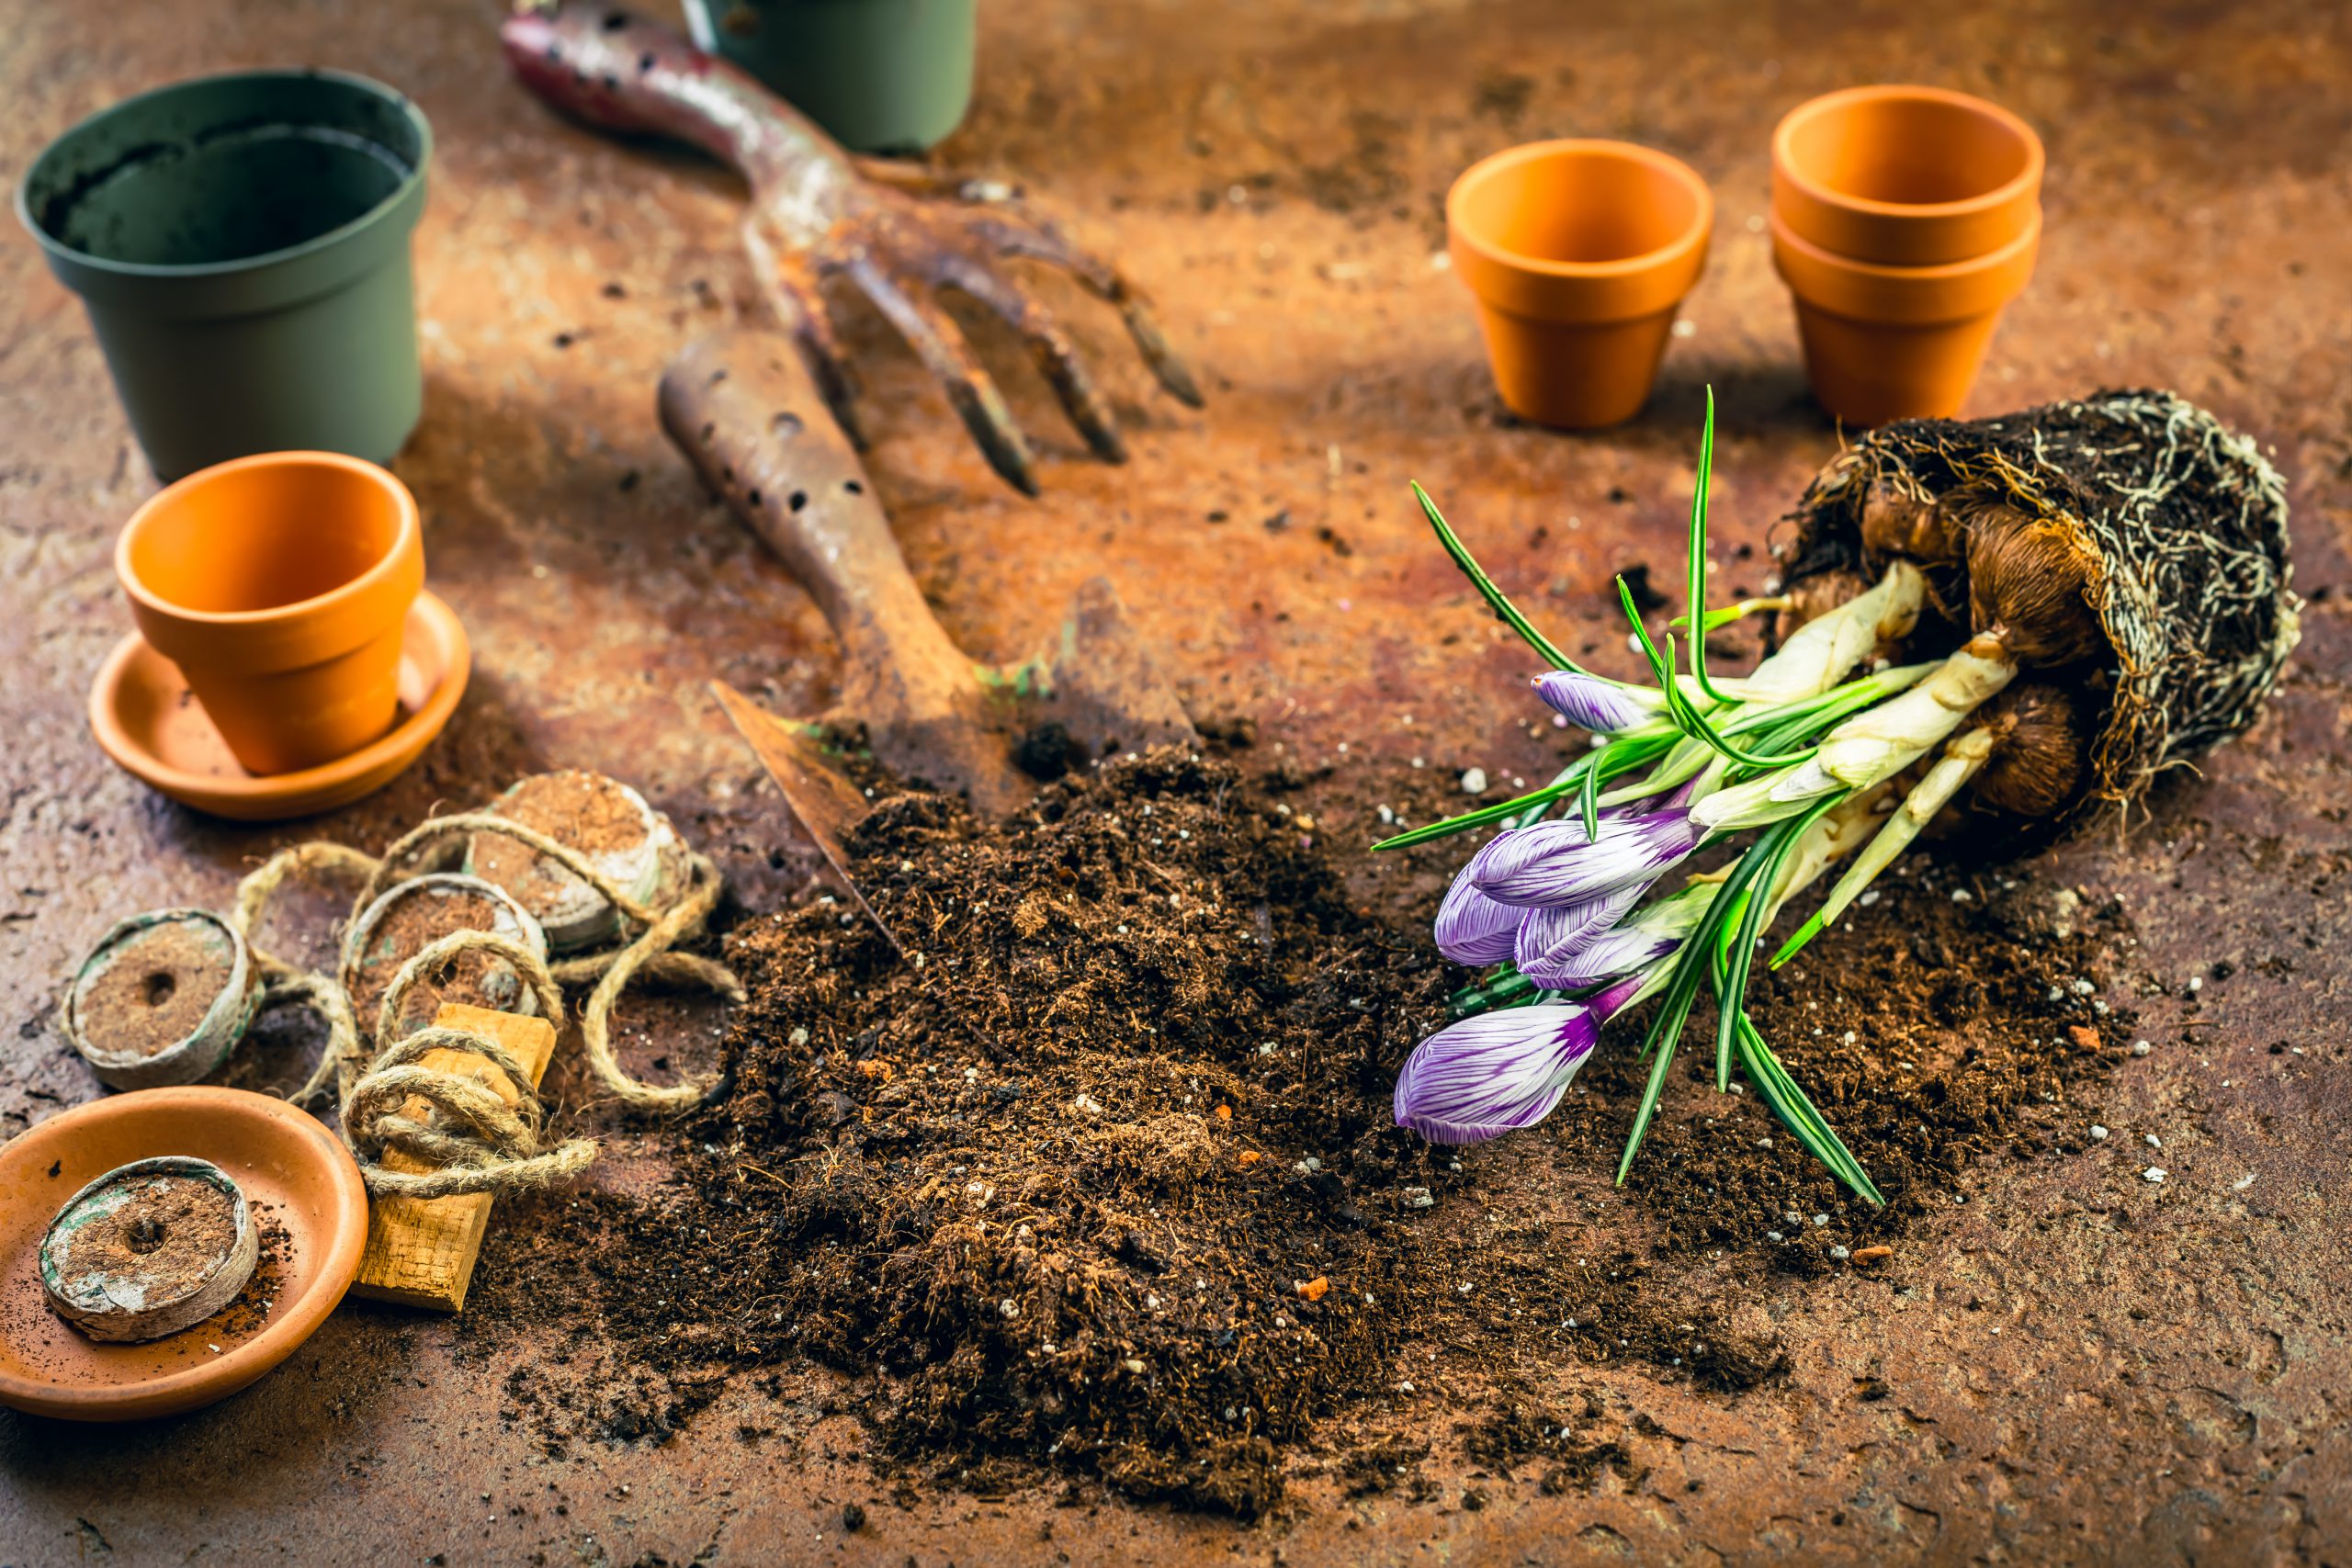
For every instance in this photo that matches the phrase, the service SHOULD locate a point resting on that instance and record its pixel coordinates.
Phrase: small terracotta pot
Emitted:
(279, 584)
(1578, 253)
(1905, 177)
(1887, 343)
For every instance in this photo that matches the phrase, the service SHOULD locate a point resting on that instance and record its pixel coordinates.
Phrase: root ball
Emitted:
(2144, 519)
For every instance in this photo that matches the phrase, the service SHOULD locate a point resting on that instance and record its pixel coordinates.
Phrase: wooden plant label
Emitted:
(421, 1251)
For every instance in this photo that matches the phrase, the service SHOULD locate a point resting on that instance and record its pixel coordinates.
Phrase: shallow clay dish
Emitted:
(148, 720)
(299, 1181)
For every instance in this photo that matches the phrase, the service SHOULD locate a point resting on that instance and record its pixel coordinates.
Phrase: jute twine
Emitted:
(480, 1143)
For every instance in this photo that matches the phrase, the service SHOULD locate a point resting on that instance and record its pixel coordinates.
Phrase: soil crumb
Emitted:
(1098, 1180)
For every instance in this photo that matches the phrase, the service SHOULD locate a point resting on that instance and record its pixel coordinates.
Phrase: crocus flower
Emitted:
(1597, 704)
(1472, 927)
(1488, 1075)
(1550, 936)
(1618, 949)
(1555, 862)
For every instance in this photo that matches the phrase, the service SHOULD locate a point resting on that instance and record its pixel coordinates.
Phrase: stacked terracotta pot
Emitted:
(1904, 219)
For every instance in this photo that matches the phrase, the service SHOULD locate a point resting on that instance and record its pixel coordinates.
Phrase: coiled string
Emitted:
(479, 1142)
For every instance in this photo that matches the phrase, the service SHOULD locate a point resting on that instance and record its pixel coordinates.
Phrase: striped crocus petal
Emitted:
(1490, 1075)
(1551, 936)
(1624, 948)
(1597, 703)
(1472, 927)
(1553, 862)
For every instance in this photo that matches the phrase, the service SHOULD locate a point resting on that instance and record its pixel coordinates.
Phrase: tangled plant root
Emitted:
(2181, 526)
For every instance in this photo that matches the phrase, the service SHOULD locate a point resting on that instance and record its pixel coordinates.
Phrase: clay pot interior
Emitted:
(1909, 150)
(1905, 177)
(264, 538)
(1578, 209)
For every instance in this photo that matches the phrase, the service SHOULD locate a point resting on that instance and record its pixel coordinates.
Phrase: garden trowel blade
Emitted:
(825, 803)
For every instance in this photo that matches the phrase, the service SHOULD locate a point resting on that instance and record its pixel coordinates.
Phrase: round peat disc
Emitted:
(148, 1249)
(412, 915)
(606, 821)
(161, 999)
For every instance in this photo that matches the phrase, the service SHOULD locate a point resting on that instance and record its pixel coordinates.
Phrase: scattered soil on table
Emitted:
(248, 1314)
(154, 990)
(169, 1238)
(414, 921)
(1100, 1178)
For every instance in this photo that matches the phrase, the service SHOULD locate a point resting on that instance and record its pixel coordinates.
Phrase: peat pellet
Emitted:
(410, 917)
(610, 825)
(148, 1249)
(161, 999)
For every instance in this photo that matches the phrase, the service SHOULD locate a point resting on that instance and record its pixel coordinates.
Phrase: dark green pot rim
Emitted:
(71, 264)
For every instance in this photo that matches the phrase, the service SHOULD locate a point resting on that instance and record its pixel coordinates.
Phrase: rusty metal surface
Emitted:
(2082, 1366)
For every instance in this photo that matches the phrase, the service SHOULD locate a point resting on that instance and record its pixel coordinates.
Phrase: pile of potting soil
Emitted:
(1093, 1173)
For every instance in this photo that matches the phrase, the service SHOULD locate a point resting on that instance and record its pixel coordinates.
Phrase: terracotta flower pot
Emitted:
(1888, 342)
(279, 584)
(1578, 253)
(1905, 177)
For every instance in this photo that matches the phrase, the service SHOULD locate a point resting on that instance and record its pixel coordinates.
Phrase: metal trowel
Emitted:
(747, 413)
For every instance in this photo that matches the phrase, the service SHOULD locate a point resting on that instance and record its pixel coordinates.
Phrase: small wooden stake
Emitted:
(421, 1251)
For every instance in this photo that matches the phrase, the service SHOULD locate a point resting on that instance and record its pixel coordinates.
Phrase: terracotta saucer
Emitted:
(305, 1193)
(151, 724)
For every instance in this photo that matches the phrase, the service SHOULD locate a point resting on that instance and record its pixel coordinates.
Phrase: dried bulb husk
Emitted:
(2030, 585)
(1898, 523)
(2040, 750)
(1816, 597)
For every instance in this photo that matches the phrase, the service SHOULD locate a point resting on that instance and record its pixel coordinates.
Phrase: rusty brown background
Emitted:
(2081, 1365)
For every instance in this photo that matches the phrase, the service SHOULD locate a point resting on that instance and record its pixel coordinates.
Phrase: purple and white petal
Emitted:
(1490, 1075)
(1472, 927)
(1548, 937)
(1613, 953)
(1634, 945)
(1553, 862)
(1597, 703)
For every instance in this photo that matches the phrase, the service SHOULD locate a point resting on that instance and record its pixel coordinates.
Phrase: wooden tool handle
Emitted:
(748, 415)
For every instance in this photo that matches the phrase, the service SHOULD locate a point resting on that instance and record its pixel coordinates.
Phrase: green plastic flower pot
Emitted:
(242, 245)
(879, 75)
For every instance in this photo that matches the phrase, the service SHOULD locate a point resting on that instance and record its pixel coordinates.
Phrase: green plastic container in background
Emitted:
(879, 75)
(242, 245)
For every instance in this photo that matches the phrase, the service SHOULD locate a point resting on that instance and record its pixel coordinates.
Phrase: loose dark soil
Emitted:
(155, 989)
(248, 1314)
(1099, 1179)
